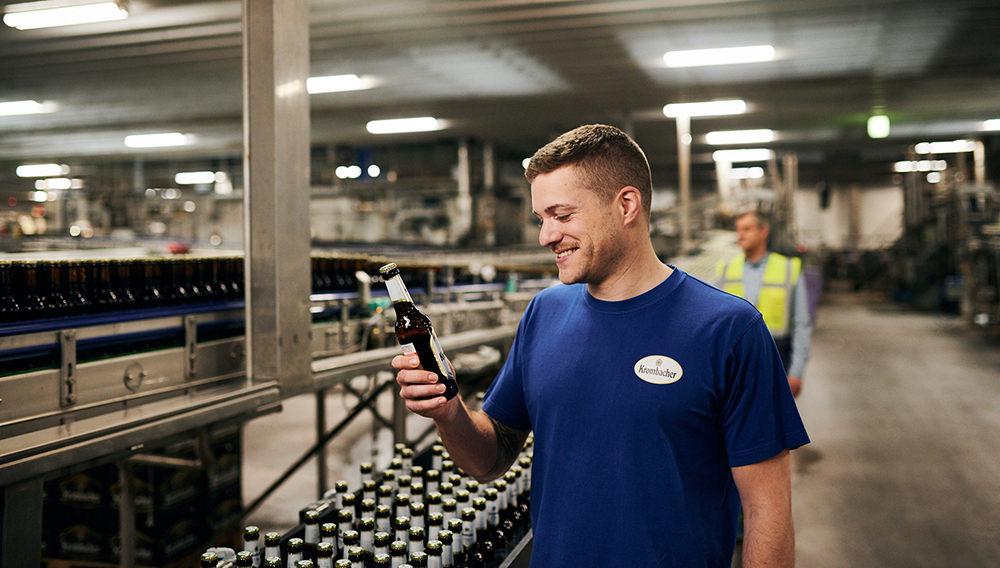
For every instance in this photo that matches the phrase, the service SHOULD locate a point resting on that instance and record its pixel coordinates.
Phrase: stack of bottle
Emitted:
(410, 515)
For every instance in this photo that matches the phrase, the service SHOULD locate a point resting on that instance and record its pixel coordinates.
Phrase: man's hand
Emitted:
(795, 383)
(420, 389)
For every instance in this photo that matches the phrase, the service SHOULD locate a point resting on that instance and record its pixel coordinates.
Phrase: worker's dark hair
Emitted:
(606, 158)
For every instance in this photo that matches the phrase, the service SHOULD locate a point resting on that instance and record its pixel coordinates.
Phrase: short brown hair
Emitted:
(608, 160)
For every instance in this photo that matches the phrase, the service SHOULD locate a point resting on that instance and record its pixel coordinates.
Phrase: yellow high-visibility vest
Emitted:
(774, 302)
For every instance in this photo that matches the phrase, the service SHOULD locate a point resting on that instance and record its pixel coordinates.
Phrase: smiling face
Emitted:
(579, 226)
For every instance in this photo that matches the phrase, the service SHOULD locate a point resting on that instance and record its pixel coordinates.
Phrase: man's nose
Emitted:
(547, 236)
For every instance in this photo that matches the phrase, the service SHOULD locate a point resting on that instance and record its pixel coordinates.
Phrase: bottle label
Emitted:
(408, 349)
(439, 355)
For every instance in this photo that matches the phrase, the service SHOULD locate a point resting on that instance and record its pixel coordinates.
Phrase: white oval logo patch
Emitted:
(659, 370)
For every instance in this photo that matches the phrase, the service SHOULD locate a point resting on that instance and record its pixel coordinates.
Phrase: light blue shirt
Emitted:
(753, 276)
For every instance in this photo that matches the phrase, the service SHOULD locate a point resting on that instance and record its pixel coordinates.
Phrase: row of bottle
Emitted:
(42, 289)
(32, 290)
(435, 517)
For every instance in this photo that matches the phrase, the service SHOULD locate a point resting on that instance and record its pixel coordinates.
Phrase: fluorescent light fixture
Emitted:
(744, 155)
(38, 196)
(159, 140)
(41, 170)
(194, 178)
(710, 108)
(719, 56)
(934, 177)
(53, 183)
(14, 108)
(399, 125)
(907, 166)
(758, 136)
(953, 147)
(374, 171)
(755, 172)
(52, 13)
(878, 126)
(337, 84)
(991, 124)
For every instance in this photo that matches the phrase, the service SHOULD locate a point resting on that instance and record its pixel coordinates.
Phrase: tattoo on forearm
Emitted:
(507, 447)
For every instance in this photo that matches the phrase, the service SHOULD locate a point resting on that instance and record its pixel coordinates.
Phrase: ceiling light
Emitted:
(52, 13)
(53, 183)
(907, 166)
(992, 124)
(747, 155)
(719, 56)
(159, 140)
(194, 178)
(755, 172)
(878, 126)
(13, 108)
(399, 125)
(710, 108)
(740, 136)
(952, 147)
(337, 84)
(41, 170)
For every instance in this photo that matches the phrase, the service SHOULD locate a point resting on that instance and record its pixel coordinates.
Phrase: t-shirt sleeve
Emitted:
(760, 418)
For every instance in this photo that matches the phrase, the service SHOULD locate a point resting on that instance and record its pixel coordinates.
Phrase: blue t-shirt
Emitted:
(639, 409)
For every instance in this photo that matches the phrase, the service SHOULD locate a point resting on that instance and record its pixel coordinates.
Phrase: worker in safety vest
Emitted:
(773, 283)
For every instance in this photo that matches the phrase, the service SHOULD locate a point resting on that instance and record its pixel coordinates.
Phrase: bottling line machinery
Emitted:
(114, 406)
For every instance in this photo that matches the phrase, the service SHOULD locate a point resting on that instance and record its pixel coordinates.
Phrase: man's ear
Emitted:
(630, 201)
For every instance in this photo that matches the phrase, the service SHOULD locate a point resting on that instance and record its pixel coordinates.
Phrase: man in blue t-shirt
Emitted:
(658, 403)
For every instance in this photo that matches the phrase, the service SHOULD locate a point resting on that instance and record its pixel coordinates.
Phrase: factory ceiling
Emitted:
(517, 72)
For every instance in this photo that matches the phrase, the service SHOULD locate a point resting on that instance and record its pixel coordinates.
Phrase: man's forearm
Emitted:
(478, 444)
(768, 541)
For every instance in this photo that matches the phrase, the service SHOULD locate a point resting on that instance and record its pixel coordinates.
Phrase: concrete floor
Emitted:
(903, 409)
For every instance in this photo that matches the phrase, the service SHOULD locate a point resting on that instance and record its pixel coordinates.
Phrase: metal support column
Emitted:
(321, 483)
(276, 192)
(684, 181)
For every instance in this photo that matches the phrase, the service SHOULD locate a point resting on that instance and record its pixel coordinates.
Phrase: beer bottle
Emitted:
(31, 298)
(345, 522)
(356, 555)
(352, 539)
(368, 488)
(434, 550)
(418, 559)
(367, 471)
(54, 298)
(402, 528)
(304, 564)
(435, 522)
(324, 555)
(416, 539)
(244, 559)
(251, 537)
(124, 282)
(437, 457)
(9, 307)
(382, 542)
(383, 561)
(366, 527)
(445, 536)
(415, 333)
(383, 518)
(403, 505)
(272, 543)
(457, 544)
(101, 279)
(295, 548)
(328, 534)
(311, 536)
(209, 560)
(77, 296)
(397, 552)
(272, 562)
(342, 563)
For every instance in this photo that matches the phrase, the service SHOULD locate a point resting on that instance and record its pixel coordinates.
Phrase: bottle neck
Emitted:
(397, 290)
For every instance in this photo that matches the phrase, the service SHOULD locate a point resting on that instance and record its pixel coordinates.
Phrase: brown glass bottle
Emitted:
(415, 333)
(9, 306)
